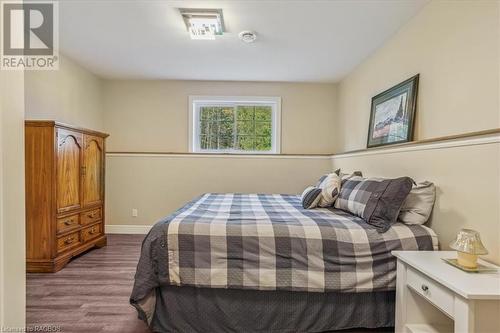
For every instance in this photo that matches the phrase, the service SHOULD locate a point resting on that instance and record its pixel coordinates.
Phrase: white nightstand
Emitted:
(433, 296)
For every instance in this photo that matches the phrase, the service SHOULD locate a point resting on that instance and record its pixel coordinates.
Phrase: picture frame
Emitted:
(392, 114)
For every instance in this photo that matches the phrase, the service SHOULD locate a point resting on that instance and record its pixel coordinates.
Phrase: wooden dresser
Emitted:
(65, 169)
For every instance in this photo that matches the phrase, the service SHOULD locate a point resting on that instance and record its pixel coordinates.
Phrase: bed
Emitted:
(261, 263)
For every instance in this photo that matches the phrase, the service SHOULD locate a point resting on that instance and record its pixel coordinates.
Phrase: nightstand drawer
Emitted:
(437, 294)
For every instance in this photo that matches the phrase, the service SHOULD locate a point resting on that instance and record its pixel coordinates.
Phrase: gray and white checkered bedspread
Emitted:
(269, 242)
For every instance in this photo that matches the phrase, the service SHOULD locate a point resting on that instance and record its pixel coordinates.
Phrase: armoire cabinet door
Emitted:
(93, 155)
(69, 163)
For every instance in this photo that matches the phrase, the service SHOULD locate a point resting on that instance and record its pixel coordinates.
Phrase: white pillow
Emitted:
(330, 189)
(417, 207)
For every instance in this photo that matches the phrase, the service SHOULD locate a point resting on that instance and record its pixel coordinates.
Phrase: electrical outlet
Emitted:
(134, 212)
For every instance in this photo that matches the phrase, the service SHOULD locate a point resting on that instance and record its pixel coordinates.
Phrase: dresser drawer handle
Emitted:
(92, 231)
(91, 215)
(425, 288)
(68, 222)
(69, 240)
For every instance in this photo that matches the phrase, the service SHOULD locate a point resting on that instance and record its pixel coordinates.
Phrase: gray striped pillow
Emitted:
(330, 187)
(310, 197)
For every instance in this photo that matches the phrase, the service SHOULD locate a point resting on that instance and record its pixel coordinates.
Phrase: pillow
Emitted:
(375, 200)
(310, 197)
(321, 179)
(330, 186)
(343, 176)
(417, 207)
(346, 176)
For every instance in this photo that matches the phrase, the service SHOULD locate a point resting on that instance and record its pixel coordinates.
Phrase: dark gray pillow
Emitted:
(375, 200)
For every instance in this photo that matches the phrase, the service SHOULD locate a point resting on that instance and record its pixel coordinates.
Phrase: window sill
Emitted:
(234, 152)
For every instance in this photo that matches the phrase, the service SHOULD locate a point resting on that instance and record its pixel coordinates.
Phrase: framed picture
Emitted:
(393, 114)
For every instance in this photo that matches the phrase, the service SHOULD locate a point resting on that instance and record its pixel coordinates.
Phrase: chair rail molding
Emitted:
(491, 136)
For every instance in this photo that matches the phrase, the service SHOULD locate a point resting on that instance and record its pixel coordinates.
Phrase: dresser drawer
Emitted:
(68, 223)
(67, 242)
(433, 291)
(91, 216)
(91, 232)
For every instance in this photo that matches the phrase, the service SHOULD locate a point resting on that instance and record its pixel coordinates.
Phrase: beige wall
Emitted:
(466, 178)
(159, 185)
(2, 253)
(153, 115)
(12, 245)
(70, 95)
(454, 45)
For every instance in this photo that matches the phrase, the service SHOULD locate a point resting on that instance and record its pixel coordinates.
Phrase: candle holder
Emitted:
(468, 246)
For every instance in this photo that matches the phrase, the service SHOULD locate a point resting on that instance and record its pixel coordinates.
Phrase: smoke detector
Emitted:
(247, 36)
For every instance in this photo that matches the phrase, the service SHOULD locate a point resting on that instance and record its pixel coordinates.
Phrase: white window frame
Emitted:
(195, 102)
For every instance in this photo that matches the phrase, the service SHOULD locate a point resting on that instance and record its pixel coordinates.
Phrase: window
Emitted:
(234, 124)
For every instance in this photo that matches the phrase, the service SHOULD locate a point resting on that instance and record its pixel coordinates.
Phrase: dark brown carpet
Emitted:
(91, 293)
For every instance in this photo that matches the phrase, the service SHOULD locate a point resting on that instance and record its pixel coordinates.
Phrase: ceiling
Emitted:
(313, 41)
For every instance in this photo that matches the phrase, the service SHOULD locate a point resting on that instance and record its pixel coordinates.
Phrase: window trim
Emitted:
(194, 125)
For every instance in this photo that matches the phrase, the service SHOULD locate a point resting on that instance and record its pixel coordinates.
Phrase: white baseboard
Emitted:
(127, 229)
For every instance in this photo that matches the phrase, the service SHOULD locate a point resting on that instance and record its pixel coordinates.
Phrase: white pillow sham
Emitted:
(417, 207)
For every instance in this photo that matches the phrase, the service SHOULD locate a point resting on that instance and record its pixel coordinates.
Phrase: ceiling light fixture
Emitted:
(203, 23)
(247, 36)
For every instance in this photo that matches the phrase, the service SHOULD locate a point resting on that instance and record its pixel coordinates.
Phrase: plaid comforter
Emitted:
(269, 242)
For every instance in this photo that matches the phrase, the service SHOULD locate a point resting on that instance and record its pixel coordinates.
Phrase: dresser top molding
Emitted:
(52, 123)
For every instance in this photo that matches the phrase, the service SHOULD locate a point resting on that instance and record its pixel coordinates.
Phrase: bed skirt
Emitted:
(189, 309)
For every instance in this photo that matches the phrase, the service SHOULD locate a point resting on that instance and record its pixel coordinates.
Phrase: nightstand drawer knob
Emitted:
(425, 288)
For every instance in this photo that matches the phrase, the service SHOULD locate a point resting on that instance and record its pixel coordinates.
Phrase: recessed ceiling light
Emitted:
(203, 23)
(248, 36)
